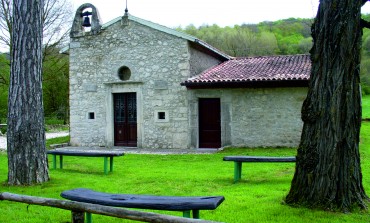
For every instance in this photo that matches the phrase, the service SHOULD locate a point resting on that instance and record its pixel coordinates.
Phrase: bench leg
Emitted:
(237, 171)
(111, 164)
(61, 161)
(186, 214)
(196, 214)
(106, 165)
(78, 217)
(88, 217)
(54, 161)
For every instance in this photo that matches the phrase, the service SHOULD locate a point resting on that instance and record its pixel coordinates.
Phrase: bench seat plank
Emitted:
(86, 153)
(259, 159)
(170, 203)
(239, 160)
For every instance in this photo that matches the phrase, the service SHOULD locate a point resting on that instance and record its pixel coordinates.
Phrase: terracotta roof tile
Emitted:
(256, 69)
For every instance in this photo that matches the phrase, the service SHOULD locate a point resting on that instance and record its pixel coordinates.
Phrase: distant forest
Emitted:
(282, 37)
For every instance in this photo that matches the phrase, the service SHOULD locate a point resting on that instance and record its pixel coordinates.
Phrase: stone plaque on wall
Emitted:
(160, 85)
(91, 87)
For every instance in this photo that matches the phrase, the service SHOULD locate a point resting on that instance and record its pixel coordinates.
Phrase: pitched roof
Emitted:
(167, 30)
(254, 71)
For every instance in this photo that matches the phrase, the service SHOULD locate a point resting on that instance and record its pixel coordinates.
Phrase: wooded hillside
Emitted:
(284, 37)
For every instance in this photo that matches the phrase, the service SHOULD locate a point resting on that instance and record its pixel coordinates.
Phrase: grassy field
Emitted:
(366, 106)
(258, 197)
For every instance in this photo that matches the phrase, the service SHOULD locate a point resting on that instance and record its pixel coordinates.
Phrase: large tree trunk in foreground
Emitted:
(27, 160)
(328, 173)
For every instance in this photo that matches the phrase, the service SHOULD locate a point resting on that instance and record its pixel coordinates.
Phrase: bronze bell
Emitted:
(86, 22)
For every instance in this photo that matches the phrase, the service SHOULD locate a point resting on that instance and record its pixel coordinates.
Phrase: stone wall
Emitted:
(255, 117)
(158, 62)
(200, 61)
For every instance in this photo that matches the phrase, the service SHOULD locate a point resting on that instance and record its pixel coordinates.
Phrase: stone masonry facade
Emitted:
(260, 117)
(158, 63)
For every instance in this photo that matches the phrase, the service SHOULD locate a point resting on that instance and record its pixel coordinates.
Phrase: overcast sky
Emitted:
(174, 13)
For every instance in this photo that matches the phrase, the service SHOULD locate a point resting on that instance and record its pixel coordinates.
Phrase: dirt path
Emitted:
(48, 136)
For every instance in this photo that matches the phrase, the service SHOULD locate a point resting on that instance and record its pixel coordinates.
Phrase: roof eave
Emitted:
(222, 54)
(247, 84)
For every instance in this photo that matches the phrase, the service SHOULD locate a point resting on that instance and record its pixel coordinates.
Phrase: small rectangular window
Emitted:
(161, 115)
(91, 115)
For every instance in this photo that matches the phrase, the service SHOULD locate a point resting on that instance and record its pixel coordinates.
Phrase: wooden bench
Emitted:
(87, 153)
(238, 160)
(169, 203)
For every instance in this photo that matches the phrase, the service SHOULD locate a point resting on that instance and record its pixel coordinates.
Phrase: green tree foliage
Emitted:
(4, 82)
(289, 36)
(55, 84)
(268, 43)
(365, 60)
(4, 69)
(55, 75)
(56, 20)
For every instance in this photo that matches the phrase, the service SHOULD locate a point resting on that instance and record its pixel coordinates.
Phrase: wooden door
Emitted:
(209, 123)
(125, 121)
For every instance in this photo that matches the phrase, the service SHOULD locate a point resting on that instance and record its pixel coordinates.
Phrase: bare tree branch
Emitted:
(56, 21)
(5, 22)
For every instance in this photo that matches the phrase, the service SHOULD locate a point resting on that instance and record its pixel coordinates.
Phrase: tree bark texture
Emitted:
(27, 159)
(328, 173)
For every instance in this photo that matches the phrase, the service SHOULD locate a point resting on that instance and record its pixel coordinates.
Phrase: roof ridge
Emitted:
(270, 56)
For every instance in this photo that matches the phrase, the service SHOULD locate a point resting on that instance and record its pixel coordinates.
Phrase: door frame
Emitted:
(123, 87)
(226, 100)
(219, 140)
(127, 126)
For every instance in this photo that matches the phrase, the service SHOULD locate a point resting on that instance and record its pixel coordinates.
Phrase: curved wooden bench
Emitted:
(238, 160)
(169, 203)
(87, 153)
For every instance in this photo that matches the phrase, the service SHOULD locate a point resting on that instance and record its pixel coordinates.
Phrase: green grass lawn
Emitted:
(366, 106)
(258, 197)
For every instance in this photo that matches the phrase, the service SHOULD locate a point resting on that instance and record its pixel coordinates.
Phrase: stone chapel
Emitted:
(135, 83)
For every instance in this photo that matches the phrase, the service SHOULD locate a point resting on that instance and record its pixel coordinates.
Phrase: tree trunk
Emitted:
(27, 159)
(328, 173)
